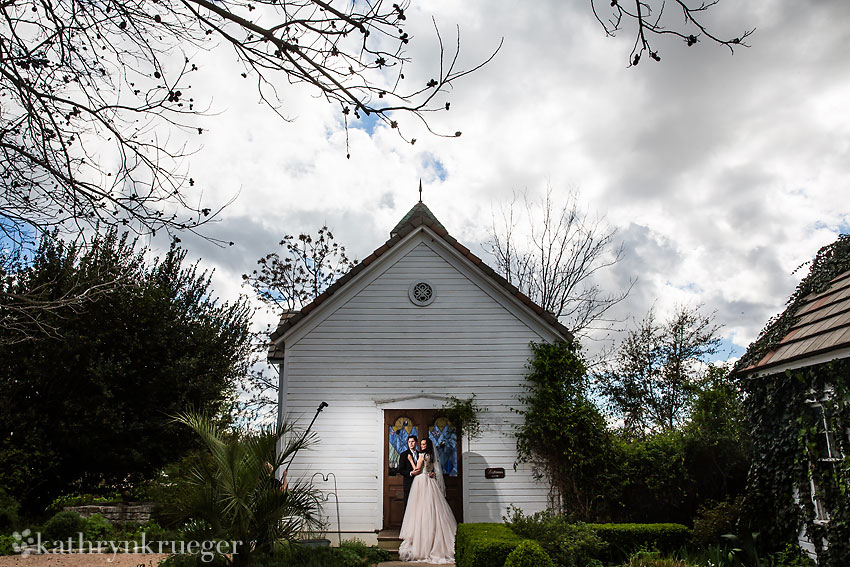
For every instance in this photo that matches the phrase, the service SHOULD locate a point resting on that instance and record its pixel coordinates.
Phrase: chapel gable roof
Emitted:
(817, 320)
(417, 217)
(420, 212)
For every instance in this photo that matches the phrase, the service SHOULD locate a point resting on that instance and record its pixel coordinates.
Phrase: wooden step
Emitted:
(389, 540)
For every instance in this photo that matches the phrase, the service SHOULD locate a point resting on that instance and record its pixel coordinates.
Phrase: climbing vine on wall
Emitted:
(801, 424)
(830, 261)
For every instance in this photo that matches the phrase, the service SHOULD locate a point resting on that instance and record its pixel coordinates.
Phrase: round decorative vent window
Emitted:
(421, 293)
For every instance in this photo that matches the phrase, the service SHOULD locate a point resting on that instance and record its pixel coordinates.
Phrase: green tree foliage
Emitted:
(564, 435)
(670, 475)
(657, 370)
(88, 408)
(601, 474)
(652, 480)
(717, 438)
(233, 490)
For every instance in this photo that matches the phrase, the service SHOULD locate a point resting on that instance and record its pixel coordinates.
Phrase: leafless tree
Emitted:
(306, 266)
(651, 21)
(556, 259)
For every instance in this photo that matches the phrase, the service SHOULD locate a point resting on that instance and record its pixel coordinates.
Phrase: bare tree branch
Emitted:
(650, 20)
(558, 263)
(93, 93)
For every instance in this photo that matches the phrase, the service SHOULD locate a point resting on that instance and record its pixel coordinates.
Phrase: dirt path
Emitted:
(83, 560)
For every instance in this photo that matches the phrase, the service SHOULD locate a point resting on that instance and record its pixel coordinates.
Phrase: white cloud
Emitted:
(723, 173)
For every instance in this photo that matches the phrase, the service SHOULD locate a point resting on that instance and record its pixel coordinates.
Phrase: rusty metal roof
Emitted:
(822, 324)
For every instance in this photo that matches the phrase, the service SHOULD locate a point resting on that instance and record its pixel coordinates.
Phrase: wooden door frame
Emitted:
(422, 418)
(419, 401)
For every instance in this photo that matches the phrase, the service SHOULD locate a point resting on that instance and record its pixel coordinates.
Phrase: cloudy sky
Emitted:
(721, 173)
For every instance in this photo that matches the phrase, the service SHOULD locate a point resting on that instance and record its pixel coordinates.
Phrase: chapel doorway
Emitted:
(398, 425)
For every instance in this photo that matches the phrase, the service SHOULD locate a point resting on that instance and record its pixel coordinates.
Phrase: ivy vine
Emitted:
(830, 261)
(463, 414)
(787, 413)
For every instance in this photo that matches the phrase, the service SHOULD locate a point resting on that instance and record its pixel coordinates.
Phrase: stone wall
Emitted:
(116, 513)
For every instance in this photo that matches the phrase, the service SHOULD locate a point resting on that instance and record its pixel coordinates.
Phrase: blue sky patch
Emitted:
(365, 123)
(727, 350)
(433, 167)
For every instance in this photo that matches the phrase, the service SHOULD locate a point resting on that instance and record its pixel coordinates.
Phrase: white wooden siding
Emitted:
(376, 346)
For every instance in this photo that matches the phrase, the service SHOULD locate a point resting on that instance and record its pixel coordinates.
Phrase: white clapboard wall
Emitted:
(369, 348)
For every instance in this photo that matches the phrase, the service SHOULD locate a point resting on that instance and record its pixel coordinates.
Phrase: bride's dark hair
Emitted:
(429, 448)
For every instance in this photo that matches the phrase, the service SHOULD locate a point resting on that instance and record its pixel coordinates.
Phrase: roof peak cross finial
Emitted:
(420, 190)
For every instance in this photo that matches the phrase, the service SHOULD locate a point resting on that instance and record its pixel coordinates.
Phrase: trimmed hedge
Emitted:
(528, 554)
(484, 545)
(625, 539)
(488, 545)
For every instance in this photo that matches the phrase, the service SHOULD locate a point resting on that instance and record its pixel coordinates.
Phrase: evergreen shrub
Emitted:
(8, 512)
(64, 525)
(484, 545)
(528, 554)
(625, 539)
(97, 528)
(567, 544)
(654, 559)
(7, 544)
(713, 521)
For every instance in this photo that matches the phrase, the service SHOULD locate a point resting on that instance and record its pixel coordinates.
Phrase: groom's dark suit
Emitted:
(404, 469)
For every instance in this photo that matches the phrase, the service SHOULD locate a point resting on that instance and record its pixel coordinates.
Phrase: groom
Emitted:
(405, 469)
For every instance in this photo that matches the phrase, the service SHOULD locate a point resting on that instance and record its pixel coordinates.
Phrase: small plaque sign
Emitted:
(494, 472)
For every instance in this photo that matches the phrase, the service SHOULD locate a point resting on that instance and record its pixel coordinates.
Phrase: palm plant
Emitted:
(232, 489)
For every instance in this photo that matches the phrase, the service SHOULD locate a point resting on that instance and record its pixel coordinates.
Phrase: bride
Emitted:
(428, 527)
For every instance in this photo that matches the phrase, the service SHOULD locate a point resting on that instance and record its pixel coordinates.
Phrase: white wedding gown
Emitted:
(428, 528)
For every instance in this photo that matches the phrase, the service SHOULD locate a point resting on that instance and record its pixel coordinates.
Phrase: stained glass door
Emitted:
(444, 436)
(398, 426)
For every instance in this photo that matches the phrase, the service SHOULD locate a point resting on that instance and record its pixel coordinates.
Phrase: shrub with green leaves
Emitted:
(484, 545)
(195, 530)
(791, 556)
(625, 539)
(654, 559)
(97, 528)
(6, 544)
(8, 512)
(563, 434)
(64, 525)
(349, 554)
(368, 555)
(715, 520)
(67, 500)
(569, 545)
(132, 531)
(528, 554)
